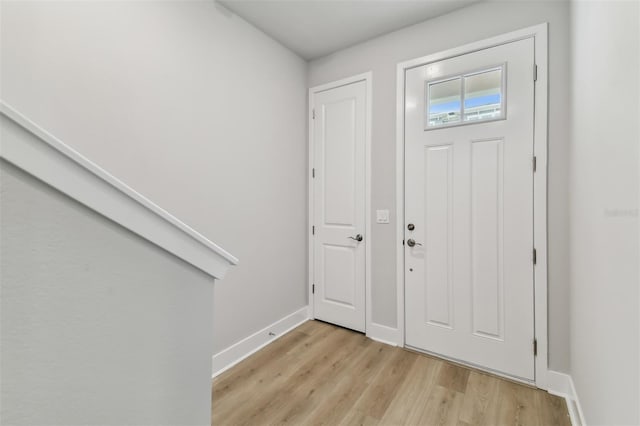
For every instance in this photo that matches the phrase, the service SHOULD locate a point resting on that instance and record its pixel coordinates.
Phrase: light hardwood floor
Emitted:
(322, 374)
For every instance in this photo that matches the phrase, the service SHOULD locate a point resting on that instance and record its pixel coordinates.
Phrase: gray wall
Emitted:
(97, 326)
(605, 181)
(192, 107)
(381, 55)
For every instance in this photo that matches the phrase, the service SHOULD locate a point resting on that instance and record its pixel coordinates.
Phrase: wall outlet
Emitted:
(382, 216)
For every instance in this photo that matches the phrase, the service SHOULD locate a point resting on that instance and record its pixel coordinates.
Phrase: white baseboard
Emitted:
(229, 357)
(558, 384)
(576, 407)
(561, 384)
(383, 334)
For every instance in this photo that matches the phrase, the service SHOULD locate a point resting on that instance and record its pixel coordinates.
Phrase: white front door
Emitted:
(339, 131)
(469, 283)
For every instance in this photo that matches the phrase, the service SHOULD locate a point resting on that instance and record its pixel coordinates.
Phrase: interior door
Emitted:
(469, 208)
(339, 130)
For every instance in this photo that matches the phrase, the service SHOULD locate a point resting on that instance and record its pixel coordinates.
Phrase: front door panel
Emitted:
(469, 193)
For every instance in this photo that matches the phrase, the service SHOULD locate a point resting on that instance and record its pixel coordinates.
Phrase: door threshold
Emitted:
(338, 325)
(469, 365)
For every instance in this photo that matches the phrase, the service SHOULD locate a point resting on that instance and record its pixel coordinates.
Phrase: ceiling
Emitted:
(314, 28)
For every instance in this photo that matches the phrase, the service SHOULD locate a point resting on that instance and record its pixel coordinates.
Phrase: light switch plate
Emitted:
(382, 216)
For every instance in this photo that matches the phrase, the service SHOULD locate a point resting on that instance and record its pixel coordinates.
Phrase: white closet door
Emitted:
(339, 205)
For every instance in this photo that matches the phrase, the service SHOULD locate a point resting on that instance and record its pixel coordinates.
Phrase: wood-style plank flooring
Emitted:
(322, 374)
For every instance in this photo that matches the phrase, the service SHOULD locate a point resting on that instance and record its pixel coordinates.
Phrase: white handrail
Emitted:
(119, 202)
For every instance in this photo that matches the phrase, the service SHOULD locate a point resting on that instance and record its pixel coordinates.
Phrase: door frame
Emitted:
(367, 77)
(540, 35)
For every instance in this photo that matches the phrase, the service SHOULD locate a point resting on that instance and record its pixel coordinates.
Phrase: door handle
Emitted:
(411, 242)
(358, 238)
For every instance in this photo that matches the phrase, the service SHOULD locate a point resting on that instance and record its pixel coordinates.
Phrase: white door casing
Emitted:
(338, 204)
(469, 288)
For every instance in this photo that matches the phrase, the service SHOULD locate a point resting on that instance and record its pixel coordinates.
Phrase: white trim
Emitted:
(227, 358)
(540, 38)
(310, 260)
(32, 149)
(539, 34)
(575, 410)
(561, 384)
(383, 334)
(368, 226)
(400, 85)
(367, 77)
(558, 383)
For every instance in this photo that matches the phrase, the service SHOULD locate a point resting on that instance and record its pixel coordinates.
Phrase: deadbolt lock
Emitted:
(411, 227)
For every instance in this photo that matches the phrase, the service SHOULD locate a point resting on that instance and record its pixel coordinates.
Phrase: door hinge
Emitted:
(313, 289)
(535, 163)
(313, 230)
(313, 114)
(313, 173)
(535, 347)
(535, 256)
(535, 72)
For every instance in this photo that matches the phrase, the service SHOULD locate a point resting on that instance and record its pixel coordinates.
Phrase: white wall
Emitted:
(382, 54)
(605, 322)
(97, 325)
(192, 107)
